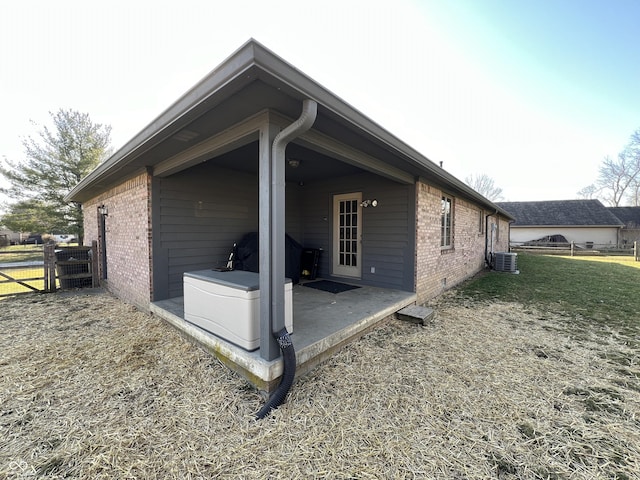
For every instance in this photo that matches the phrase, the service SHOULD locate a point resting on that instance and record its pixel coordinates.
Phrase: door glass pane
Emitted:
(348, 232)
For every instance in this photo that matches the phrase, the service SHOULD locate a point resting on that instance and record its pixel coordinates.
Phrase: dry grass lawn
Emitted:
(92, 388)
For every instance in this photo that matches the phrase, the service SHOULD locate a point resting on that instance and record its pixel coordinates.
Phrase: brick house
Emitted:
(216, 165)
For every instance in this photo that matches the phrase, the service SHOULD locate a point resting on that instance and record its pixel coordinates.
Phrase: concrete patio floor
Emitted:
(322, 323)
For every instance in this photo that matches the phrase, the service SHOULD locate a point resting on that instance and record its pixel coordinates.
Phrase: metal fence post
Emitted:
(572, 246)
(635, 251)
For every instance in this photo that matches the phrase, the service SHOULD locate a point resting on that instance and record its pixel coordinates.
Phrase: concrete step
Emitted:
(417, 314)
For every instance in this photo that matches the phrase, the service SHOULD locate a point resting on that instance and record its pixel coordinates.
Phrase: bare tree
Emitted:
(613, 179)
(617, 178)
(589, 192)
(633, 196)
(633, 152)
(484, 185)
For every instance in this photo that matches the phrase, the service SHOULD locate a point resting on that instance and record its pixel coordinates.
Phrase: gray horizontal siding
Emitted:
(388, 229)
(201, 212)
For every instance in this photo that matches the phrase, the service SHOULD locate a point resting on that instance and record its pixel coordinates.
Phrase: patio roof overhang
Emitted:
(226, 109)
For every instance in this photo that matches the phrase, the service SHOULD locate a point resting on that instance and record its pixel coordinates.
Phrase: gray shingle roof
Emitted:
(630, 216)
(560, 212)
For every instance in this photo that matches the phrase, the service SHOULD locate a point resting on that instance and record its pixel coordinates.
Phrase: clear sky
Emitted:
(532, 93)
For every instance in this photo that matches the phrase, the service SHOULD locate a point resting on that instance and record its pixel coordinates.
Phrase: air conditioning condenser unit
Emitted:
(505, 262)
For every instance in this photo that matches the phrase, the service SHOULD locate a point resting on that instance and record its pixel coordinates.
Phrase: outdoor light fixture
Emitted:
(102, 210)
(369, 203)
(293, 162)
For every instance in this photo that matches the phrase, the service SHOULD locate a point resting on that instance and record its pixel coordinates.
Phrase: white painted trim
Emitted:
(343, 270)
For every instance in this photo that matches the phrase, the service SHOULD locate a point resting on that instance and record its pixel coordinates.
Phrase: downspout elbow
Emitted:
(301, 125)
(288, 374)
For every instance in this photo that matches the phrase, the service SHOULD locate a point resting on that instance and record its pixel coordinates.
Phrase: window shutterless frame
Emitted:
(446, 223)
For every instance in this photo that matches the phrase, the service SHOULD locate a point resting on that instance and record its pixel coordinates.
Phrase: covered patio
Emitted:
(322, 323)
(257, 147)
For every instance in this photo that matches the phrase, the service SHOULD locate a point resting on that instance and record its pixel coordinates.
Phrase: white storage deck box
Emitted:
(227, 304)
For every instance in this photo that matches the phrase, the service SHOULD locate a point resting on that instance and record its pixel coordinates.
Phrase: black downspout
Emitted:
(288, 374)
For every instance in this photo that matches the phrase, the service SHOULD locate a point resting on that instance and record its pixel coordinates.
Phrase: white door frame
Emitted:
(347, 235)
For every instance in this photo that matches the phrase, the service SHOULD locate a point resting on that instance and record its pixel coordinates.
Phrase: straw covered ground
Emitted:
(92, 388)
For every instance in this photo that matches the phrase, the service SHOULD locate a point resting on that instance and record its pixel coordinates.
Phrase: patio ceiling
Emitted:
(312, 166)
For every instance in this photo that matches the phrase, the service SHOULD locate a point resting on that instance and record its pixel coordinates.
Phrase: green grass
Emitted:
(21, 253)
(10, 288)
(601, 291)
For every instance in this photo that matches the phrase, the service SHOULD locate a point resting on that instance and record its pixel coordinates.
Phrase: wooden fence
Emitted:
(75, 267)
(21, 271)
(580, 249)
(47, 269)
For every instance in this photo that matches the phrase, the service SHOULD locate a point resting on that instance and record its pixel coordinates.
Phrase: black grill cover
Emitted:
(246, 256)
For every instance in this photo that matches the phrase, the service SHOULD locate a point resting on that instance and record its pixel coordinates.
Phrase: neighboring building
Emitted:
(211, 169)
(10, 237)
(584, 222)
(630, 217)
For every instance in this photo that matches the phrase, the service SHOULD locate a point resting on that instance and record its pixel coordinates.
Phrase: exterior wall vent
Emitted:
(505, 262)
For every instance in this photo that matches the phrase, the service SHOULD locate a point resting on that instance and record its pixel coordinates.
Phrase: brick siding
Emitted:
(128, 238)
(440, 269)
